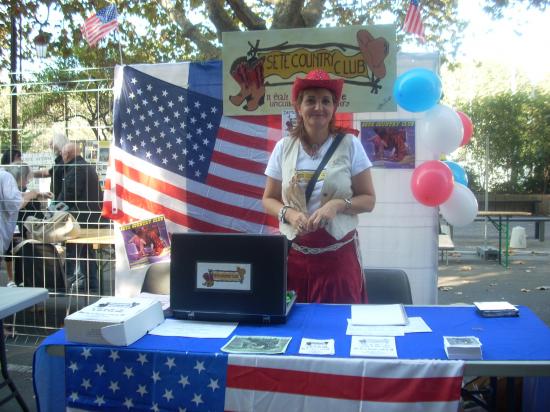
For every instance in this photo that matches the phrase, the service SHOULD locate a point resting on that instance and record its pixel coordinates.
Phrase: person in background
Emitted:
(10, 156)
(324, 262)
(81, 193)
(14, 196)
(56, 171)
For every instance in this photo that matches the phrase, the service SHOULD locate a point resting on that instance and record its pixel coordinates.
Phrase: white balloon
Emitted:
(461, 208)
(442, 130)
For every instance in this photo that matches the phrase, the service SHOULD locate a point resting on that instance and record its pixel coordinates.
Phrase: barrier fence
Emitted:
(76, 268)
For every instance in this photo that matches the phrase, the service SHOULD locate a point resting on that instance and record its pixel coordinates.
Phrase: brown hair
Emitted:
(299, 130)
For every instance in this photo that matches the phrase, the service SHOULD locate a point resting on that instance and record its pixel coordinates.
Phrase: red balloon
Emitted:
(432, 183)
(468, 127)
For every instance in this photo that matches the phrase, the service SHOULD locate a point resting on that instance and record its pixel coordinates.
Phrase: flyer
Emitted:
(146, 241)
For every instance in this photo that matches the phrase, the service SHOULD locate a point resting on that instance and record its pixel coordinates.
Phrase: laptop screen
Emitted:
(239, 277)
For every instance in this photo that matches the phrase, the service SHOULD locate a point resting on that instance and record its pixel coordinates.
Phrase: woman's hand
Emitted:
(322, 216)
(44, 195)
(298, 220)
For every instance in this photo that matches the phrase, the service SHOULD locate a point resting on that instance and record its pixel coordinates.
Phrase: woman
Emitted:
(324, 260)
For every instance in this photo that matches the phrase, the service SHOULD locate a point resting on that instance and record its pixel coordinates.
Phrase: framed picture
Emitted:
(389, 143)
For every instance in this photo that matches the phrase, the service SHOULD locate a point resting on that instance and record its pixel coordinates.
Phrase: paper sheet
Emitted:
(194, 329)
(374, 347)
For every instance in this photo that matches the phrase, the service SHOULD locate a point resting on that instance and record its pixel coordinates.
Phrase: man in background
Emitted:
(56, 171)
(81, 193)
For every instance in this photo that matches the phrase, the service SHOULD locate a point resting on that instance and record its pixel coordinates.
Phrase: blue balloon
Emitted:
(459, 173)
(417, 90)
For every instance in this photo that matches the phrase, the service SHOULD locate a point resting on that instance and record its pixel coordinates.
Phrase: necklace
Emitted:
(312, 149)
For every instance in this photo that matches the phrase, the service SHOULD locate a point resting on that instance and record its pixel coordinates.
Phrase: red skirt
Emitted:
(333, 276)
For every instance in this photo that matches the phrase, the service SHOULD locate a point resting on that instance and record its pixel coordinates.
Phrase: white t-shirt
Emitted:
(10, 203)
(307, 165)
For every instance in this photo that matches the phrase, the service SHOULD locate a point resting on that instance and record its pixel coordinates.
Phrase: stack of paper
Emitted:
(462, 347)
(496, 309)
(381, 315)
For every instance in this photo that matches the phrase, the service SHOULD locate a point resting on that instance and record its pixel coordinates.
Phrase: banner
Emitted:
(259, 67)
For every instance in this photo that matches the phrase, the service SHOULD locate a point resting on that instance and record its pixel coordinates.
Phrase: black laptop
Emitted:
(229, 277)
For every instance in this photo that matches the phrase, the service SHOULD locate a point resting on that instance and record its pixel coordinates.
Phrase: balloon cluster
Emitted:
(442, 131)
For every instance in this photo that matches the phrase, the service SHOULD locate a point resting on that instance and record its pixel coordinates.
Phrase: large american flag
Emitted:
(99, 378)
(413, 20)
(99, 24)
(175, 154)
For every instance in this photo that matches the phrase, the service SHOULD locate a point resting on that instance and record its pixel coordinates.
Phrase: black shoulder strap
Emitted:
(326, 158)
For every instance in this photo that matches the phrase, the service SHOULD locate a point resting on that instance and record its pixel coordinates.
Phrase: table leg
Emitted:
(499, 228)
(507, 241)
(7, 380)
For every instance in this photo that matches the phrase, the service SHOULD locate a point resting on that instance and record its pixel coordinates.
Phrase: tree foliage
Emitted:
(516, 127)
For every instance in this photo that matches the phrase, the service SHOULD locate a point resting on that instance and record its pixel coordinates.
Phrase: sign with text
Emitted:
(259, 67)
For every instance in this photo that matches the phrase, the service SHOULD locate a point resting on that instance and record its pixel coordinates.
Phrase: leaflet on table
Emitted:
(194, 329)
(317, 346)
(416, 325)
(163, 299)
(378, 315)
(146, 241)
(373, 346)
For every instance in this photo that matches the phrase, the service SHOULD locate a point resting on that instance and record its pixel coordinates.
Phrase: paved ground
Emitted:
(467, 278)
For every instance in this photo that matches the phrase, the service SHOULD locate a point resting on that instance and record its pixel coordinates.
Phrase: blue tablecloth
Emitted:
(523, 338)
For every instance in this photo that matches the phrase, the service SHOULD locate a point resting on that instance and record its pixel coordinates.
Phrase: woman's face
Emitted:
(316, 108)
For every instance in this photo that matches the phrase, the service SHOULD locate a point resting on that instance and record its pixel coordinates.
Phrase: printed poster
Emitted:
(146, 241)
(389, 143)
(259, 67)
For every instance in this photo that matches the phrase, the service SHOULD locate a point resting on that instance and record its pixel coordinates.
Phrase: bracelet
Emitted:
(282, 214)
(348, 203)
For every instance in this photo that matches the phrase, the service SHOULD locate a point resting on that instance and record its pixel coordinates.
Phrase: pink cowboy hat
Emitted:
(317, 79)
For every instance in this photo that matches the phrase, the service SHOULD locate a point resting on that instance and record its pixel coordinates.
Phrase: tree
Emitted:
(517, 127)
(168, 30)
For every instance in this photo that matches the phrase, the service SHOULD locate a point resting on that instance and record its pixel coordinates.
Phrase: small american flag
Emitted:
(413, 20)
(100, 24)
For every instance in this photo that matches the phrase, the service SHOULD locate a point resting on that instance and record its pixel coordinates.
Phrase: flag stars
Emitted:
(124, 125)
(135, 148)
(186, 109)
(213, 109)
(156, 375)
(168, 145)
(86, 384)
(150, 113)
(203, 115)
(209, 126)
(134, 80)
(197, 173)
(191, 163)
(197, 104)
(131, 95)
(99, 400)
(178, 140)
(142, 358)
(144, 102)
(73, 367)
(155, 407)
(155, 98)
(164, 161)
(86, 353)
(180, 167)
(133, 121)
(184, 380)
(129, 137)
(161, 109)
(213, 384)
(182, 125)
(128, 110)
(99, 369)
(193, 120)
(168, 395)
(142, 117)
(181, 98)
(159, 150)
(199, 366)
(74, 396)
(199, 131)
(195, 147)
(153, 139)
(184, 152)
(202, 157)
(142, 390)
(149, 87)
(147, 129)
(139, 91)
(143, 143)
(156, 123)
(170, 104)
(114, 386)
(164, 93)
(128, 403)
(138, 132)
(162, 134)
(197, 399)
(148, 155)
(166, 119)
(176, 115)
(205, 141)
(136, 106)
(128, 372)
(174, 157)
(172, 130)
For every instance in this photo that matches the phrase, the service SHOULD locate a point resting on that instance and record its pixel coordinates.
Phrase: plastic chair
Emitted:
(386, 286)
(157, 279)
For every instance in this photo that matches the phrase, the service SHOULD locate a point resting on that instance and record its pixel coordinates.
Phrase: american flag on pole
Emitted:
(174, 154)
(100, 378)
(99, 25)
(413, 20)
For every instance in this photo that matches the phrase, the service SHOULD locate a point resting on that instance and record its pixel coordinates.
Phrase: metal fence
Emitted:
(77, 268)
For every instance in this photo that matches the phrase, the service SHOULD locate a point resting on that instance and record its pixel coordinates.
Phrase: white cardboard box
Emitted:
(114, 321)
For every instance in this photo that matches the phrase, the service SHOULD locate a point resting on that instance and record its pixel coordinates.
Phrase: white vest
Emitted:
(336, 185)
